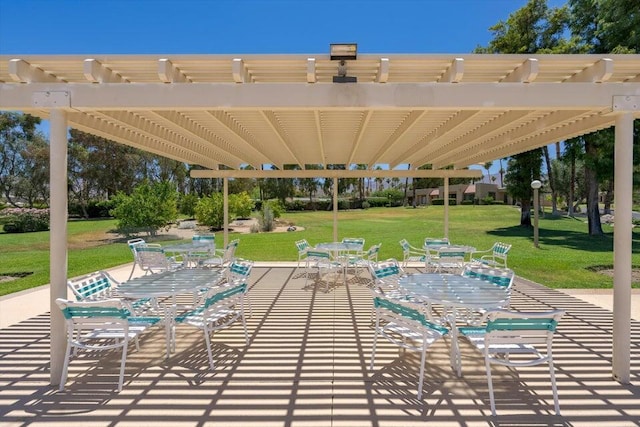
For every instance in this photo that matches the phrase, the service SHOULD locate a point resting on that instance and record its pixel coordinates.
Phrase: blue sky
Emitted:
(248, 26)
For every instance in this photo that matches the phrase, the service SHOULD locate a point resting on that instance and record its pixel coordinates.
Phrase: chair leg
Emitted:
(375, 341)
(554, 387)
(65, 367)
(132, 270)
(490, 383)
(122, 363)
(423, 358)
(207, 341)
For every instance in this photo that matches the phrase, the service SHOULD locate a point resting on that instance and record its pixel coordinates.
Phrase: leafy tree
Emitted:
(187, 204)
(149, 208)
(534, 28)
(24, 160)
(522, 169)
(241, 205)
(603, 26)
(309, 186)
(210, 211)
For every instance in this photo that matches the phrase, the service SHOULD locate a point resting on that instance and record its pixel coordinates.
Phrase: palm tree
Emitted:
(487, 166)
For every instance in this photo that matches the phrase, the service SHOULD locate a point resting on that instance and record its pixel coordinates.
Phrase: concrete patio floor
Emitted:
(307, 365)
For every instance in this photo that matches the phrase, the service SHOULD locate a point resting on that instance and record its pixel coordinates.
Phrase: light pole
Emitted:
(536, 184)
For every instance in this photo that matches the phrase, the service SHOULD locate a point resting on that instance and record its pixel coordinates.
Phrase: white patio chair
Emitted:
(132, 246)
(406, 327)
(219, 309)
(321, 261)
(450, 260)
(432, 247)
(238, 272)
(494, 257)
(362, 260)
(204, 247)
(100, 285)
(412, 254)
(153, 259)
(102, 325)
(302, 246)
(502, 277)
(95, 286)
(222, 258)
(516, 339)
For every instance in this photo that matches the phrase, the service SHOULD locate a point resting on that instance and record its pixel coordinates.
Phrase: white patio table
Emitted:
(186, 250)
(170, 284)
(338, 249)
(454, 293)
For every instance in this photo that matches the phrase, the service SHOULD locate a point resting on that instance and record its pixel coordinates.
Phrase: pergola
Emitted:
(279, 110)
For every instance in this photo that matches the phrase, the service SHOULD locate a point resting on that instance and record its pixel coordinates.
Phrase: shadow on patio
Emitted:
(307, 364)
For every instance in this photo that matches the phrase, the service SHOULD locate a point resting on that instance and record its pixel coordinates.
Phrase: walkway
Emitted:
(307, 365)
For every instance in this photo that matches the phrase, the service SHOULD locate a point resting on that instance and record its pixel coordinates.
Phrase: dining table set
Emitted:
(449, 299)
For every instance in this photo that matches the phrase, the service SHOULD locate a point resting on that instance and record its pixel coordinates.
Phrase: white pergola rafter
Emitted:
(441, 110)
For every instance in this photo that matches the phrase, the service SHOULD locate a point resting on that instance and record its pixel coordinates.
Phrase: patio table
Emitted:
(170, 284)
(188, 249)
(338, 249)
(454, 292)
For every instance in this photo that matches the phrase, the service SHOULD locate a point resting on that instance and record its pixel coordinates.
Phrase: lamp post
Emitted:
(536, 184)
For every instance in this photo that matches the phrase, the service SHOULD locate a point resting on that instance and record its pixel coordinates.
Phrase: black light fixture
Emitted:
(343, 52)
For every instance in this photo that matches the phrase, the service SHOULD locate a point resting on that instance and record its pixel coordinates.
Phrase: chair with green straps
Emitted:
(516, 339)
(219, 308)
(302, 246)
(450, 260)
(412, 254)
(323, 264)
(102, 325)
(100, 285)
(406, 327)
(494, 257)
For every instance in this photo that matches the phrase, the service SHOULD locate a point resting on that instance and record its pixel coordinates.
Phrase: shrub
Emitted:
(377, 202)
(149, 208)
(296, 205)
(275, 206)
(210, 211)
(365, 205)
(440, 202)
(187, 204)
(241, 205)
(25, 220)
(467, 202)
(265, 218)
(486, 200)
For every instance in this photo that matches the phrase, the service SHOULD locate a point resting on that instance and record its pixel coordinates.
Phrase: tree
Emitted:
(149, 208)
(487, 167)
(522, 169)
(603, 26)
(24, 160)
(534, 28)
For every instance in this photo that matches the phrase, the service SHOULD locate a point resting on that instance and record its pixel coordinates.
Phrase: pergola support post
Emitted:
(335, 209)
(225, 196)
(58, 238)
(446, 207)
(622, 247)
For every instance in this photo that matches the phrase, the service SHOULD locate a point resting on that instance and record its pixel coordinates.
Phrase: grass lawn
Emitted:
(563, 260)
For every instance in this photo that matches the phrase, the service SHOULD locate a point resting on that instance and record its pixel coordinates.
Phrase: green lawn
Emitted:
(563, 260)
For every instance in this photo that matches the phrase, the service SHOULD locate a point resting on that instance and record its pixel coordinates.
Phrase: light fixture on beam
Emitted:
(343, 52)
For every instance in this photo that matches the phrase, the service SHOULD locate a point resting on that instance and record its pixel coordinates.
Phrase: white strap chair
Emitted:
(526, 335)
(101, 325)
(220, 308)
(405, 327)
